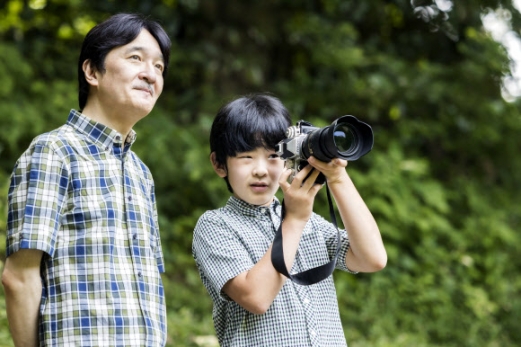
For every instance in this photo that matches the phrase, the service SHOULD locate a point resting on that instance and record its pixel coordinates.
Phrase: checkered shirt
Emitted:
(85, 199)
(231, 240)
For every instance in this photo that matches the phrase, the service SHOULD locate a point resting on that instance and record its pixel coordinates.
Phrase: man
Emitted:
(83, 249)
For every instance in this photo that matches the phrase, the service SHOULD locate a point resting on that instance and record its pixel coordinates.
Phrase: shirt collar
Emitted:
(249, 209)
(97, 132)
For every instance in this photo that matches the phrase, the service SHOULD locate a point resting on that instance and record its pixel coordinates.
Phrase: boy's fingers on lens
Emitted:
(287, 172)
(339, 162)
(283, 180)
(310, 184)
(311, 178)
(304, 172)
(299, 178)
(316, 187)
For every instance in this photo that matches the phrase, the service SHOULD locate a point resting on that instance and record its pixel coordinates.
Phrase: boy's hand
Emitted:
(335, 170)
(299, 195)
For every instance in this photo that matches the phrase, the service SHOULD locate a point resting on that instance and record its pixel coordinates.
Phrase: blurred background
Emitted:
(437, 80)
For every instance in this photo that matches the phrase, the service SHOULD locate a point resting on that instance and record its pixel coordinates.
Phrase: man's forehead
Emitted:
(142, 44)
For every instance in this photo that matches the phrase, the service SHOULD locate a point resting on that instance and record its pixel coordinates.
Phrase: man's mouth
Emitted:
(146, 89)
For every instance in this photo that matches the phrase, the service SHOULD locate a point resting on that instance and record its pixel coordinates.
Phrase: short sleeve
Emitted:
(219, 253)
(36, 196)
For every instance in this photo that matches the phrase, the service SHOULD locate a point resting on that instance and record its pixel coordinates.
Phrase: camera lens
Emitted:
(344, 138)
(347, 138)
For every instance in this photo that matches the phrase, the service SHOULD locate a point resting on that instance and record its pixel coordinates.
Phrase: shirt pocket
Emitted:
(312, 249)
(94, 191)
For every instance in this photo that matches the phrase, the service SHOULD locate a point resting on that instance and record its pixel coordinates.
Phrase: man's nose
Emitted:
(148, 73)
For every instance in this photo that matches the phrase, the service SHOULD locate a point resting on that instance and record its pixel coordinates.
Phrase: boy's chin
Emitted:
(266, 203)
(256, 202)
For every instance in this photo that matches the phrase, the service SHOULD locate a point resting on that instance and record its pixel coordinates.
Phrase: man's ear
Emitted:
(90, 73)
(218, 168)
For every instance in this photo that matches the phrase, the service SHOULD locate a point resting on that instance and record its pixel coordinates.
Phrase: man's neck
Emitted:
(121, 122)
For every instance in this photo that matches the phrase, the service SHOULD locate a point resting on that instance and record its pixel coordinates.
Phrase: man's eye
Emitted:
(274, 156)
(135, 57)
(160, 67)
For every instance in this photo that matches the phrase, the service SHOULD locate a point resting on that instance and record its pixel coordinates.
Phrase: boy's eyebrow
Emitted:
(140, 49)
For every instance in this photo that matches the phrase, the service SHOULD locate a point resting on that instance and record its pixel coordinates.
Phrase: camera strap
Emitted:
(310, 276)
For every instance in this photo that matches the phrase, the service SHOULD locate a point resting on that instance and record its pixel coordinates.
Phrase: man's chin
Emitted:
(144, 109)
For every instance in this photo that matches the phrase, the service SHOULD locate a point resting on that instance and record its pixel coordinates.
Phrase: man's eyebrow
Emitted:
(140, 49)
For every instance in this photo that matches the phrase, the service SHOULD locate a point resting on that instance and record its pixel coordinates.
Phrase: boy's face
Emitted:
(254, 176)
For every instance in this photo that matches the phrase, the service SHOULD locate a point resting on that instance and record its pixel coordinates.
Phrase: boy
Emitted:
(254, 305)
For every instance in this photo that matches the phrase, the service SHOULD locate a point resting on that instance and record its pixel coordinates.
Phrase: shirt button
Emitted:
(139, 274)
(134, 236)
(306, 301)
(130, 198)
(313, 333)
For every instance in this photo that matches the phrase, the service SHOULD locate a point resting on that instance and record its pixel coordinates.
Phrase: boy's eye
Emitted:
(274, 156)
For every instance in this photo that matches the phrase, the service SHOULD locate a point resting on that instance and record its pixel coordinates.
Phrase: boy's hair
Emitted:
(118, 30)
(247, 123)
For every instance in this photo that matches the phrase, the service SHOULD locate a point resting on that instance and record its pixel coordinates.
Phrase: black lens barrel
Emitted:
(346, 138)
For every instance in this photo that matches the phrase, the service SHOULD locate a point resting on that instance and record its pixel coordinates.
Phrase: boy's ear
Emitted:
(218, 168)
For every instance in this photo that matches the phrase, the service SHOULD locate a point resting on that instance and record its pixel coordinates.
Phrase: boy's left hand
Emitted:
(335, 170)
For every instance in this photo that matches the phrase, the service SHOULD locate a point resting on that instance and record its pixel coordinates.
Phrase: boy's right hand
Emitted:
(299, 195)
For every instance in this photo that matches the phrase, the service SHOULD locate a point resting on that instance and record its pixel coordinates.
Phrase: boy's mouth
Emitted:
(259, 186)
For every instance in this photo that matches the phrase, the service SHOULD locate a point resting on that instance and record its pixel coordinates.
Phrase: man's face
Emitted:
(133, 77)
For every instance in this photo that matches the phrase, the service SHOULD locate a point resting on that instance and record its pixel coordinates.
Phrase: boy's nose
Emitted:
(260, 170)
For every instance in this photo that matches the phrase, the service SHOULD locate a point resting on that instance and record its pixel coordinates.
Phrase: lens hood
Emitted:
(346, 138)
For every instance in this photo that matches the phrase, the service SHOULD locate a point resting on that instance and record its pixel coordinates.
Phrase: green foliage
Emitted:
(441, 180)
(5, 338)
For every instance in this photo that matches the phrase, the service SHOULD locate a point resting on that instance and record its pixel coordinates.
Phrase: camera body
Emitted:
(290, 149)
(346, 138)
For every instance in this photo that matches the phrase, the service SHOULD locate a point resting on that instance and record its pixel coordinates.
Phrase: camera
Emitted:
(346, 138)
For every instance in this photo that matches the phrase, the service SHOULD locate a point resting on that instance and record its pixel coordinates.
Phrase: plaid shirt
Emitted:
(84, 198)
(231, 240)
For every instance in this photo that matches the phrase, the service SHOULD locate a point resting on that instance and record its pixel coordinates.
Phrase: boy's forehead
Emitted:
(259, 149)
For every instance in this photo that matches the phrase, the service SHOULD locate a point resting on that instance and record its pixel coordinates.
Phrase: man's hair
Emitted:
(247, 123)
(116, 31)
